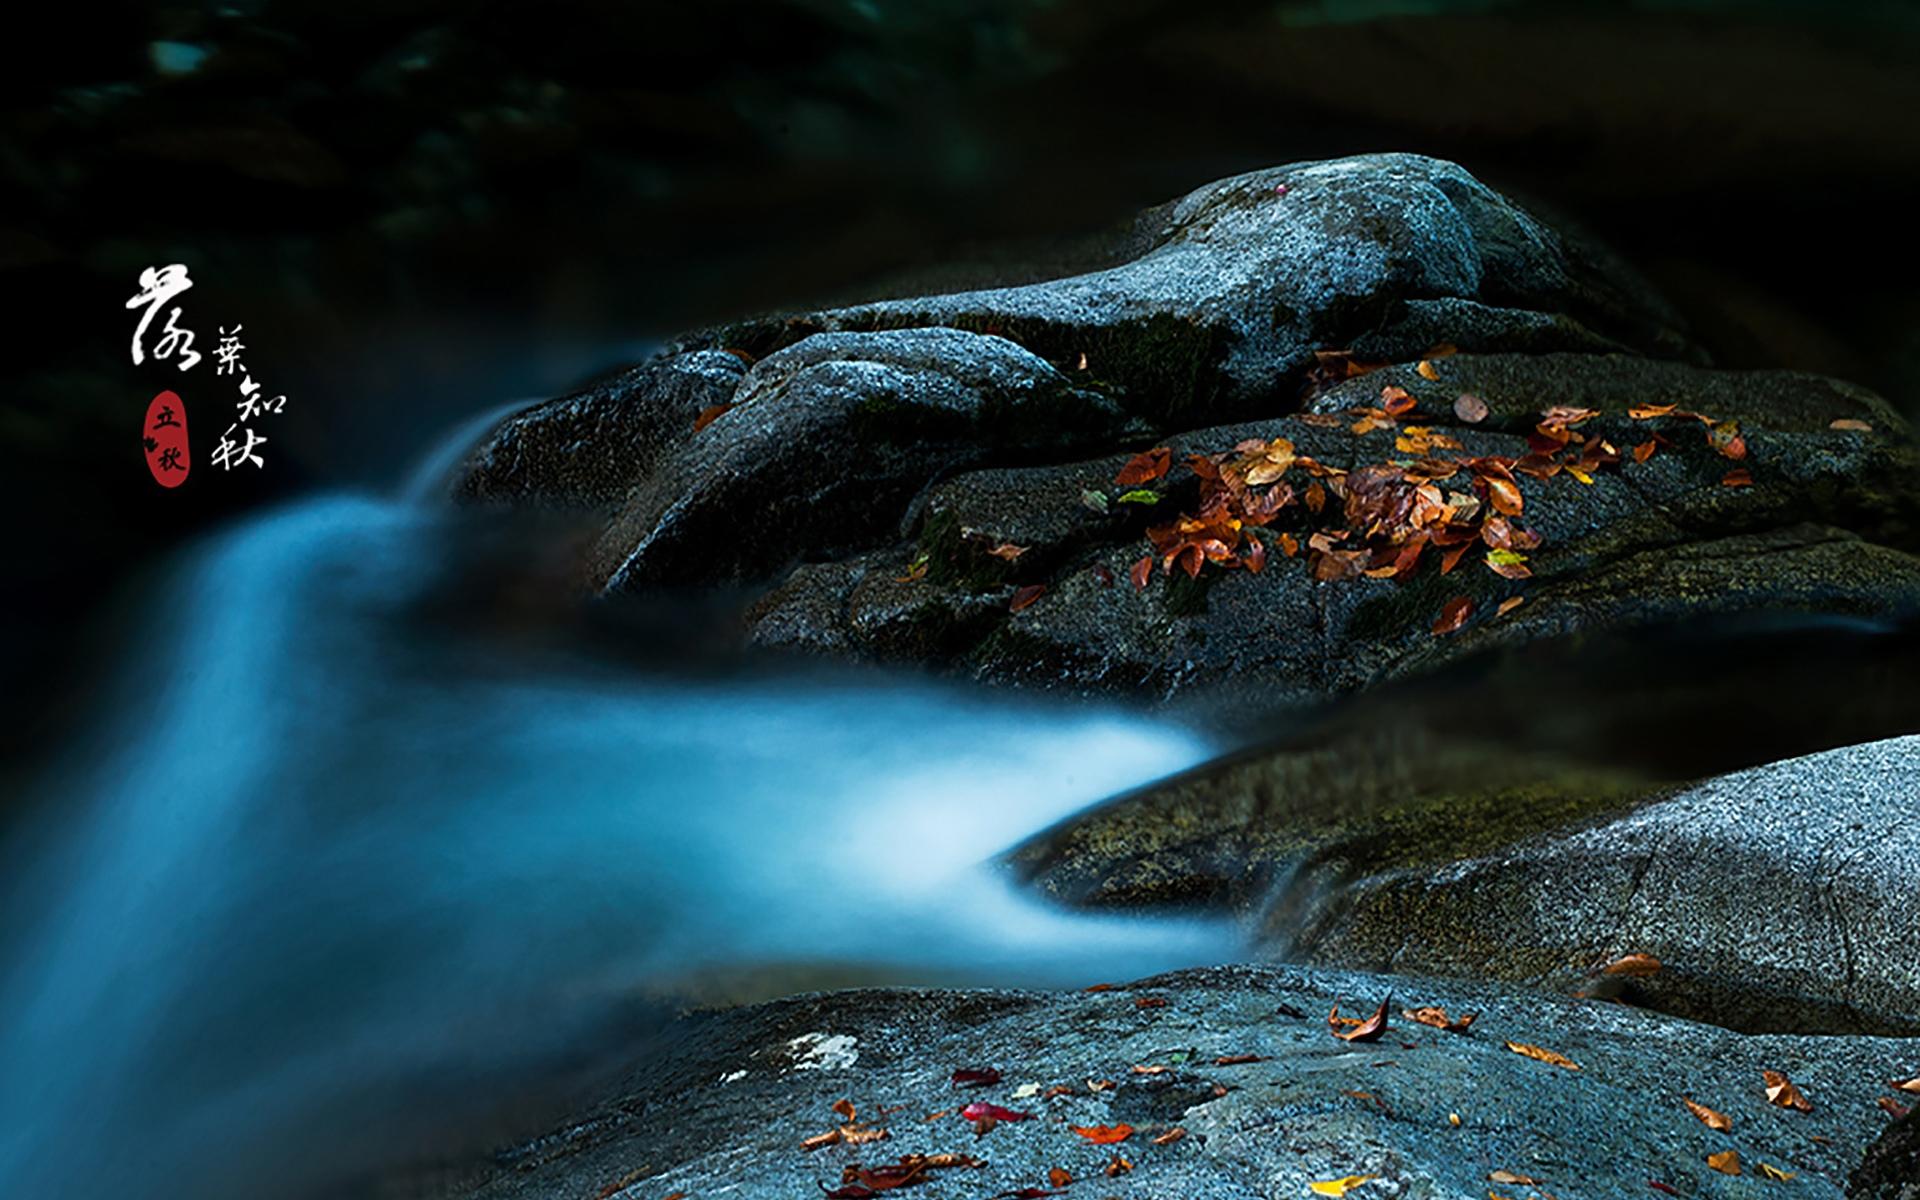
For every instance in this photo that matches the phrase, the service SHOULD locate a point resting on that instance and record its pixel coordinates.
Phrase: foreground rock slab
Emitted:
(1780, 897)
(1426, 1113)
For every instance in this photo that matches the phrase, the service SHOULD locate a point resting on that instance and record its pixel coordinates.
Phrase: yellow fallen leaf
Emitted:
(1727, 1162)
(1340, 1187)
(1775, 1173)
(1545, 1056)
(1427, 371)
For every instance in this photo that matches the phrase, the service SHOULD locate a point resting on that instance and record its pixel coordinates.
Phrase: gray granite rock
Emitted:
(1427, 1113)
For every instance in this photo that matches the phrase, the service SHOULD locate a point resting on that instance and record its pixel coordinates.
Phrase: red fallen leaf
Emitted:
(709, 415)
(1894, 1108)
(1103, 1135)
(1738, 477)
(1101, 987)
(1170, 1136)
(1644, 451)
(1668, 1188)
(1151, 1002)
(1026, 596)
(1396, 401)
(1453, 614)
(1100, 573)
(1145, 467)
(1234, 1060)
(1633, 966)
(1857, 426)
(1470, 408)
(1368, 1030)
(1141, 572)
(1451, 558)
(1781, 1091)
(1256, 556)
(980, 1110)
(976, 1077)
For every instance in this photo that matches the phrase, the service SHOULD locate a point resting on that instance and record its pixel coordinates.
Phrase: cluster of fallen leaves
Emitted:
(1378, 521)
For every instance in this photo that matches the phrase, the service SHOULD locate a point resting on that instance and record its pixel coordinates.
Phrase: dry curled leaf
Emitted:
(1711, 1119)
(1727, 1162)
(1543, 1055)
(1170, 1136)
(1103, 1135)
(1438, 1019)
(1633, 966)
(1368, 1030)
(1781, 1091)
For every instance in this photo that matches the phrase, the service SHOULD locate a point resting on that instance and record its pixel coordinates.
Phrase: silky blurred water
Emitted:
(328, 880)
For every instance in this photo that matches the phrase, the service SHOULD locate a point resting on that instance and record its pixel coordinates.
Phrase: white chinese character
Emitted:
(159, 285)
(228, 351)
(228, 452)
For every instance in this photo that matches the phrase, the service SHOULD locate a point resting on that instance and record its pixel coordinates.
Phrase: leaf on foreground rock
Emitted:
(1505, 494)
(1543, 1055)
(1894, 1108)
(1428, 371)
(1151, 1001)
(1340, 1187)
(1438, 1019)
(976, 1077)
(1059, 1177)
(1368, 1030)
(1396, 401)
(1738, 477)
(1513, 1178)
(1103, 1135)
(1119, 1166)
(1633, 966)
(1708, 1117)
(1644, 451)
(1026, 596)
(1453, 614)
(981, 1110)
(1647, 412)
(1145, 467)
(1508, 605)
(1727, 1162)
(1170, 1136)
(1911, 1085)
(1774, 1173)
(1234, 1060)
(1470, 408)
(1781, 1091)
(1509, 564)
(1008, 551)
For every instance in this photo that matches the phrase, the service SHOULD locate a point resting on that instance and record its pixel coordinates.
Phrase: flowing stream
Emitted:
(330, 884)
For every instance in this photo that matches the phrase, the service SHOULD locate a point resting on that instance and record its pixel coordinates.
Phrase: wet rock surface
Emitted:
(728, 1109)
(1778, 898)
(875, 457)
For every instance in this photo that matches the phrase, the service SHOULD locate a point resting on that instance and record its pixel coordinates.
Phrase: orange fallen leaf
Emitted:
(1857, 426)
(1453, 614)
(1713, 1120)
(1543, 1055)
(1138, 1069)
(1911, 1085)
(1428, 371)
(1059, 1177)
(1781, 1091)
(1727, 1162)
(1234, 1060)
(1505, 494)
(1103, 1135)
(829, 1138)
(1396, 401)
(1508, 605)
(1438, 1019)
(1119, 1166)
(709, 415)
(1647, 412)
(1368, 1030)
(1026, 596)
(619, 1185)
(1170, 1136)
(1738, 477)
(1145, 467)
(1894, 1108)
(1008, 551)
(1633, 966)
(1151, 1002)
(1644, 451)
(1509, 1177)
(1470, 408)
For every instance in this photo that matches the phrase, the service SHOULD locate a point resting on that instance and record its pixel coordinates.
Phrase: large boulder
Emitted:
(1776, 898)
(889, 476)
(1422, 1112)
(1892, 1167)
